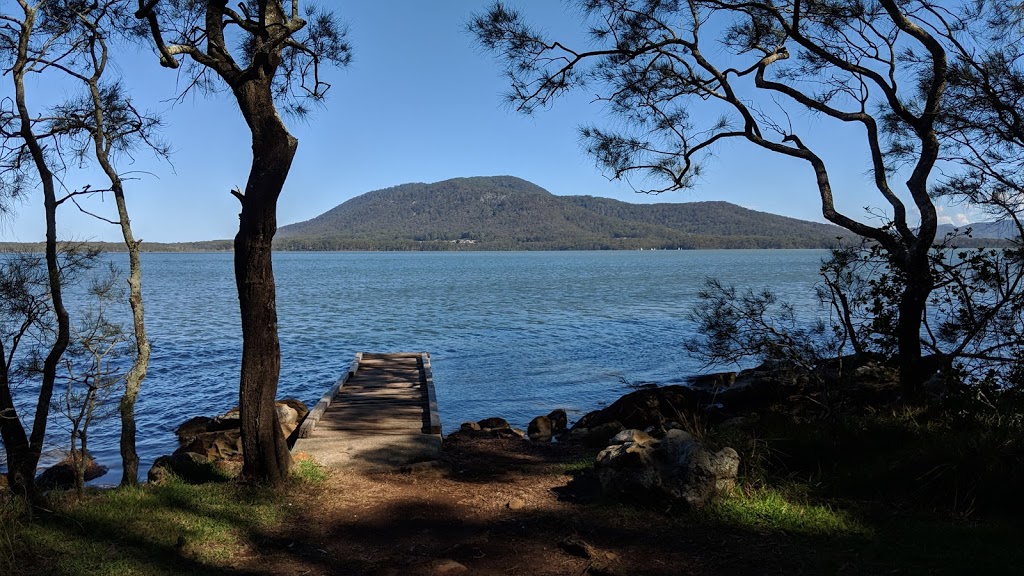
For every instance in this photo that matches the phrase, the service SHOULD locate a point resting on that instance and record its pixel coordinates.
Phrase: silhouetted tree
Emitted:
(266, 54)
(685, 76)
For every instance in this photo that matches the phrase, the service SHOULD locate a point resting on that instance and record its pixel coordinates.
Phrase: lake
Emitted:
(511, 334)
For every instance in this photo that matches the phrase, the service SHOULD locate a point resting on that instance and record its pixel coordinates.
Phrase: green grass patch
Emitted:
(171, 528)
(770, 509)
(306, 470)
(577, 467)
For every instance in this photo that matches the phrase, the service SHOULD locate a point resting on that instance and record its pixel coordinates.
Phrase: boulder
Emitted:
(756, 388)
(676, 469)
(493, 423)
(188, 466)
(631, 436)
(298, 405)
(540, 429)
(488, 428)
(598, 436)
(559, 420)
(202, 425)
(222, 445)
(290, 412)
(62, 474)
(713, 382)
(193, 427)
(645, 408)
(510, 433)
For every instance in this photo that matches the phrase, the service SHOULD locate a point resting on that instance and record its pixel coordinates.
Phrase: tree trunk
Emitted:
(140, 365)
(24, 457)
(20, 466)
(133, 381)
(137, 373)
(912, 306)
(264, 447)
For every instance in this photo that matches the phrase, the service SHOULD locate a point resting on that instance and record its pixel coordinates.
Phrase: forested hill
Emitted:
(508, 213)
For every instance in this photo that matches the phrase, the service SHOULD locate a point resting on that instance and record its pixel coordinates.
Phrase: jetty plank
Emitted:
(381, 413)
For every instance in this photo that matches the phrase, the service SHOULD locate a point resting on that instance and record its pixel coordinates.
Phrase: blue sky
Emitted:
(419, 103)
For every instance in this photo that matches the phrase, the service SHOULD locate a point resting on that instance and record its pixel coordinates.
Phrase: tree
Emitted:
(100, 125)
(92, 370)
(277, 60)
(880, 65)
(30, 42)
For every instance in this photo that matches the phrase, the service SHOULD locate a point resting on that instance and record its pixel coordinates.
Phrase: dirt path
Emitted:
(505, 506)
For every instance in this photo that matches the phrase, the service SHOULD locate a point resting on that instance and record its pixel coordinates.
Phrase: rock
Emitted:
(222, 445)
(233, 414)
(192, 427)
(630, 436)
(713, 382)
(676, 469)
(678, 435)
(287, 416)
(470, 427)
(188, 466)
(540, 429)
(202, 425)
(214, 437)
(448, 567)
(509, 433)
(298, 405)
(644, 408)
(598, 436)
(559, 420)
(62, 474)
(493, 424)
(707, 475)
(758, 387)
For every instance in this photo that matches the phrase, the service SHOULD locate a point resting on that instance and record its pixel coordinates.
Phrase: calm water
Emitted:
(510, 334)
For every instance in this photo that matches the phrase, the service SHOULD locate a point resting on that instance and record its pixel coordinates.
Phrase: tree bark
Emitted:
(265, 450)
(133, 381)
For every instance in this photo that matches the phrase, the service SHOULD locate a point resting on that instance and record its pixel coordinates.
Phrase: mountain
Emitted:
(508, 213)
(1003, 230)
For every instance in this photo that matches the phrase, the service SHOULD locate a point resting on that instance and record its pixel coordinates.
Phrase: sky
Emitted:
(419, 103)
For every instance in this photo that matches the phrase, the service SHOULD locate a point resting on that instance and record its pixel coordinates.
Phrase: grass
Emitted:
(577, 467)
(773, 510)
(10, 526)
(171, 528)
(167, 528)
(308, 471)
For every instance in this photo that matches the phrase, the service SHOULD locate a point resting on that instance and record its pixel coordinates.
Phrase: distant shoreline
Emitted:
(226, 246)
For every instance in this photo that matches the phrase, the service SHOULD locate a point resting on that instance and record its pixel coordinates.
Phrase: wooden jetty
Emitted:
(382, 413)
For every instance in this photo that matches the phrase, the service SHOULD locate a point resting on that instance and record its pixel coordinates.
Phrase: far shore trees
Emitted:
(684, 76)
(267, 54)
